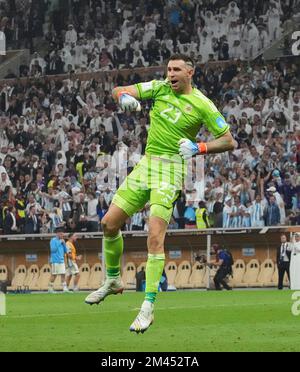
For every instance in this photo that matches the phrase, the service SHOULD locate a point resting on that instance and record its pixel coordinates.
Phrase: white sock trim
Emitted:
(158, 256)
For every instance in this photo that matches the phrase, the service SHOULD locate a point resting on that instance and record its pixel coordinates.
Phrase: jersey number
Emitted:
(170, 112)
(167, 191)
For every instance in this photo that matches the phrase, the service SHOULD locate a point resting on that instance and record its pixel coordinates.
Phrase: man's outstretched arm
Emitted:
(130, 89)
(126, 97)
(187, 148)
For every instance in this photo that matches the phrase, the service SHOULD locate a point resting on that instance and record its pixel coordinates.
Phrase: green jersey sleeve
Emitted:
(213, 119)
(149, 89)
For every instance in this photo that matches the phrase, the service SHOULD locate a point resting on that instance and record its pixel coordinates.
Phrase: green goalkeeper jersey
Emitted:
(175, 116)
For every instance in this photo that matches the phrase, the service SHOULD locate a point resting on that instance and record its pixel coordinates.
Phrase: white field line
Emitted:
(137, 309)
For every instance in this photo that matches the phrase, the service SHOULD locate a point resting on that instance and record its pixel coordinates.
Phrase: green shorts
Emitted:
(157, 180)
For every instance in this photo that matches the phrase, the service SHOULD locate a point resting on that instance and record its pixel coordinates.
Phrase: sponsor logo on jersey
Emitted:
(221, 122)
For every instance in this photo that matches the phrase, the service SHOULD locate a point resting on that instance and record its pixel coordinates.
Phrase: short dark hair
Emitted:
(188, 60)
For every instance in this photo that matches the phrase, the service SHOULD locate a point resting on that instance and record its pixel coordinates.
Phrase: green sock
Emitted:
(154, 270)
(113, 249)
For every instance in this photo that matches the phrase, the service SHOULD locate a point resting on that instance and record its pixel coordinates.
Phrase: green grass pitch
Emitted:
(184, 321)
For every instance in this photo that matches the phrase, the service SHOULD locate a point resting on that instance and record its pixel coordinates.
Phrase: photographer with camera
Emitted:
(224, 261)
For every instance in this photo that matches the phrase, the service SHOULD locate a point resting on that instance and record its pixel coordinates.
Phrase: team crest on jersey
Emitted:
(188, 109)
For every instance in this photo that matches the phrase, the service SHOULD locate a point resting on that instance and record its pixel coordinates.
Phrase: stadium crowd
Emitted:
(55, 138)
(100, 34)
(65, 146)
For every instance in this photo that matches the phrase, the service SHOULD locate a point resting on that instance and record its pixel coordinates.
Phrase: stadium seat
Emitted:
(96, 276)
(84, 272)
(183, 274)
(128, 276)
(30, 282)
(251, 274)
(44, 278)
(264, 278)
(211, 272)
(171, 271)
(197, 274)
(274, 279)
(3, 273)
(18, 279)
(238, 272)
(34, 284)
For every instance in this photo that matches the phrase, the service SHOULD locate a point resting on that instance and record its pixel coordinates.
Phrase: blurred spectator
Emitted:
(32, 222)
(202, 221)
(10, 222)
(272, 214)
(190, 215)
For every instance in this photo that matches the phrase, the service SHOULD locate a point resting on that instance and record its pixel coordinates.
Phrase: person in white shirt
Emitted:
(210, 20)
(250, 40)
(42, 63)
(2, 169)
(126, 31)
(218, 190)
(67, 59)
(295, 263)
(4, 181)
(232, 109)
(150, 29)
(205, 46)
(95, 122)
(33, 203)
(233, 11)
(221, 28)
(92, 216)
(273, 16)
(263, 39)
(234, 33)
(108, 196)
(227, 210)
(107, 121)
(71, 35)
(236, 51)
(134, 154)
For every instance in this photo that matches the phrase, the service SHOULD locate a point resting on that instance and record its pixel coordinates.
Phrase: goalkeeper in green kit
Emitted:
(178, 111)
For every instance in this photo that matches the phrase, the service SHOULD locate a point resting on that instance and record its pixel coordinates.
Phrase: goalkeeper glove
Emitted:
(128, 103)
(188, 149)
